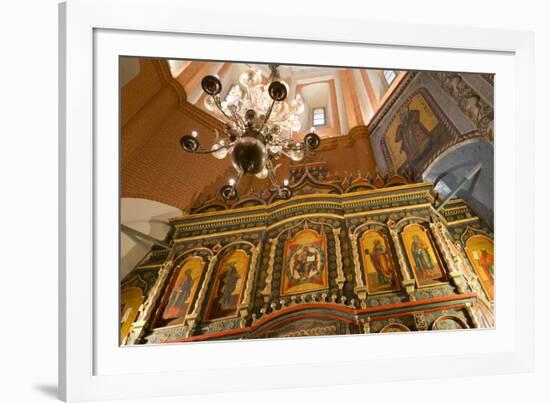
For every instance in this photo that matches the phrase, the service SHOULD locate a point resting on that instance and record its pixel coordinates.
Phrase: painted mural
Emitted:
(228, 286)
(131, 299)
(422, 256)
(305, 263)
(415, 133)
(480, 251)
(378, 263)
(183, 291)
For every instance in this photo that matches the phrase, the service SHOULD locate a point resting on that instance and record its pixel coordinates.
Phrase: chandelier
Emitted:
(258, 128)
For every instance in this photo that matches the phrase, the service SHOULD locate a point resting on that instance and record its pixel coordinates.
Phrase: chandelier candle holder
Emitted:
(258, 128)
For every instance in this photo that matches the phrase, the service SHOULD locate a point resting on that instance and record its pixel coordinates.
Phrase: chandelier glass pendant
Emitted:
(258, 128)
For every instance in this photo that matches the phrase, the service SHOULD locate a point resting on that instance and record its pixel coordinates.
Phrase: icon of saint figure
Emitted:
(487, 261)
(312, 262)
(229, 284)
(305, 263)
(179, 296)
(412, 134)
(381, 261)
(422, 259)
(299, 271)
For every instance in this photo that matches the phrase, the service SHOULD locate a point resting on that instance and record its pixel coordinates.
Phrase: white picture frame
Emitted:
(93, 33)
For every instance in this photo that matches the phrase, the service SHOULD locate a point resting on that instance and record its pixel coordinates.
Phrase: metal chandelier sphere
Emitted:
(258, 128)
(249, 155)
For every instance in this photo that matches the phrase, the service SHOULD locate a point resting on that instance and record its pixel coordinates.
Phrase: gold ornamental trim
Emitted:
(274, 205)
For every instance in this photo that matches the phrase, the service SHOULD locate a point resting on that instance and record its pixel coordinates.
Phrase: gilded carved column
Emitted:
(360, 287)
(462, 266)
(420, 321)
(407, 282)
(341, 279)
(146, 308)
(449, 255)
(473, 314)
(266, 292)
(365, 325)
(244, 307)
(191, 319)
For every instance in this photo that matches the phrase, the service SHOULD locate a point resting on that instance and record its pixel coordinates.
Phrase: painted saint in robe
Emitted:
(417, 132)
(487, 261)
(380, 270)
(480, 251)
(421, 256)
(381, 262)
(228, 285)
(414, 137)
(179, 297)
(182, 292)
(423, 259)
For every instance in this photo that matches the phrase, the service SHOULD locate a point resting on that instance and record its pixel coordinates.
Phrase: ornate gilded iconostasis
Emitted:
(358, 255)
(361, 247)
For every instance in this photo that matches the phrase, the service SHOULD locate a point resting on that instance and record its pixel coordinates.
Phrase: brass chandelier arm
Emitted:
(204, 151)
(218, 104)
(237, 119)
(267, 116)
(271, 175)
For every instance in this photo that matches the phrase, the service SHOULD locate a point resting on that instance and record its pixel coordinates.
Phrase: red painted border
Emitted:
(334, 307)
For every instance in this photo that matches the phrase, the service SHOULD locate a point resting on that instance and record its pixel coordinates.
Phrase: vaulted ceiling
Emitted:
(349, 97)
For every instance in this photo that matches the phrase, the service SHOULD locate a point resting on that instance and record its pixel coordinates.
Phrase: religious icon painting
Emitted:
(183, 291)
(423, 259)
(378, 263)
(228, 285)
(305, 263)
(415, 132)
(131, 299)
(480, 251)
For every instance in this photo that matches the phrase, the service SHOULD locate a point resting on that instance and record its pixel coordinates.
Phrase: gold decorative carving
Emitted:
(358, 275)
(341, 279)
(448, 254)
(408, 282)
(244, 307)
(360, 287)
(191, 319)
(473, 314)
(251, 272)
(365, 325)
(146, 308)
(266, 292)
(420, 321)
(406, 192)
